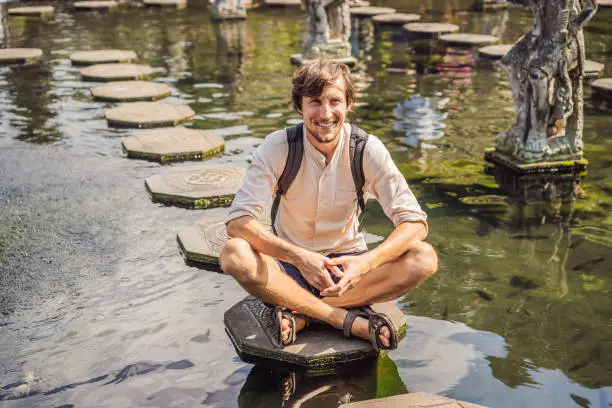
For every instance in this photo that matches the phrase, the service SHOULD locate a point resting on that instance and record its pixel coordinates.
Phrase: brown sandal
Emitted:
(376, 321)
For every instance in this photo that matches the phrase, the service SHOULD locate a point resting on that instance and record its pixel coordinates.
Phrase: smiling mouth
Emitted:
(329, 125)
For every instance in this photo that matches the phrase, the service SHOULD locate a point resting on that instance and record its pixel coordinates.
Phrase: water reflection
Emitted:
(420, 119)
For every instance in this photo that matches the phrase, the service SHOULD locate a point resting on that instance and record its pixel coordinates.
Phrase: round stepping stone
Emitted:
(494, 52)
(148, 115)
(173, 144)
(395, 18)
(95, 5)
(201, 243)
(359, 3)
(370, 11)
(604, 3)
(177, 4)
(467, 40)
(200, 186)
(602, 93)
(319, 346)
(20, 56)
(430, 29)
(102, 57)
(592, 69)
(131, 91)
(115, 72)
(283, 3)
(33, 11)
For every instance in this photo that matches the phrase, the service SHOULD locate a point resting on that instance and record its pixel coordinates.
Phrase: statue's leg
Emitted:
(536, 146)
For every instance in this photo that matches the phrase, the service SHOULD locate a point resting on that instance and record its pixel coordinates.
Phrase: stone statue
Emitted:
(228, 9)
(546, 70)
(329, 29)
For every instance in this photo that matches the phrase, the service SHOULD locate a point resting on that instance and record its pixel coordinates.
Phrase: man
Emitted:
(318, 265)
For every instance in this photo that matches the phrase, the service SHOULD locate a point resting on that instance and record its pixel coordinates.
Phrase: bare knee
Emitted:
(238, 259)
(420, 259)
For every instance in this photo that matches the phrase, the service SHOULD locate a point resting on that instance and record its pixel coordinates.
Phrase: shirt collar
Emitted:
(319, 157)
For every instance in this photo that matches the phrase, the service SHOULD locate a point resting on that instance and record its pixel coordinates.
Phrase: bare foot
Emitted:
(360, 329)
(300, 322)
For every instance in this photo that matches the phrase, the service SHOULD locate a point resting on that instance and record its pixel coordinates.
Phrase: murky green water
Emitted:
(99, 309)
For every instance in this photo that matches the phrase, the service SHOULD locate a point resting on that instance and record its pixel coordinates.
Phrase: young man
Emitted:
(318, 266)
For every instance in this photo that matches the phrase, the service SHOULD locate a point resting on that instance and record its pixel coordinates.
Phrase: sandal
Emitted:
(376, 321)
(282, 313)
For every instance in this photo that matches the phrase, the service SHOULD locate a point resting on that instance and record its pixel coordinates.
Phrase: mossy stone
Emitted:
(102, 57)
(31, 11)
(131, 91)
(370, 11)
(176, 4)
(395, 18)
(115, 72)
(148, 115)
(467, 39)
(96, 5)
(20, 56)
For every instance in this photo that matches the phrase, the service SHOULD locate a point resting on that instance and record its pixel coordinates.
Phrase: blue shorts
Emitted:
(295, 273)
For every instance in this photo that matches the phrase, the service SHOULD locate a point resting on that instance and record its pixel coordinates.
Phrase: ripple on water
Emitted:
(420, 119)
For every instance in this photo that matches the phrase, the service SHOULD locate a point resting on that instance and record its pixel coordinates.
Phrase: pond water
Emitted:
(98, 308)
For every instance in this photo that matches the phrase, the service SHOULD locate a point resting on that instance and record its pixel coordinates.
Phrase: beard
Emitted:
(324, 138)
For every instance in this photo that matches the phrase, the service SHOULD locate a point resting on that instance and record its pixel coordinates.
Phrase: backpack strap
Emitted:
(358, 140)
(295, 140)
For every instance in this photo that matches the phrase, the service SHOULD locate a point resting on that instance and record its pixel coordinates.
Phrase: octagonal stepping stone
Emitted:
(395, 18)
(20, 56)
(370, 11)
(200, 186)
(32, 11)
(602, 93)
(412, 400)
(201, 243)
(148, 114)
(494, 52)
(102, 57)
(173, 144)
(467, 40)
(283, 3)
(115, 72)
(430, 30)
(592, 69)
(131, 91)
(176, 4)
(319, 346)
(96, 5)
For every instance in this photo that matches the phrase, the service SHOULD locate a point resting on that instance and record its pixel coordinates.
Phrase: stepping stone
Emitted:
(359, 3)
(602, 93)
(115, 72)
(102, 57)
(173, 144)
(283, 3)
(96, 5)
(604, 3)
(20, 56)
(412, 400)
(370, 11)
(395, 18)
(131, 91)
(317, 347)
(200, 186)
(33, 11)
(494, 52)
(430, 30)
(592, 69)
(467, 40)
(201, 243)
(176, 4)
(148, 115)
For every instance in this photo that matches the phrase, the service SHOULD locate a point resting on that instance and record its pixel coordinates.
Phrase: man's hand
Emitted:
(355, 266)
(314, 268)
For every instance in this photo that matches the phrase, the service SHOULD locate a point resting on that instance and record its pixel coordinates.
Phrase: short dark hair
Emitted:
(312, 78)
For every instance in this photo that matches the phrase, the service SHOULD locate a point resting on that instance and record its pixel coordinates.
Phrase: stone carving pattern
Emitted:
(228, 7)
(546, 71)
(167, 141)
(329, 29)
(209, 180)
(213, 233)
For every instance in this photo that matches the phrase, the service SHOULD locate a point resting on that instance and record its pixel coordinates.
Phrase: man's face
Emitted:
(324, 115)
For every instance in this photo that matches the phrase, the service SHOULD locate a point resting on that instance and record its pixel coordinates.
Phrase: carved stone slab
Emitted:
(592, 69)
(130, 91)
(494, 52)
(283, 3)
(602, 93)
(412, 400)
(467, 40)
(35, 11)
(173, 144)
(21, 56)
(148, 115)
(430, 30)
(370, 11)
(96, 5)
(395, 18)
(248, 325)
(201, 243)
(177, 4)
(200, 186)
(102, 57)
(115, 72)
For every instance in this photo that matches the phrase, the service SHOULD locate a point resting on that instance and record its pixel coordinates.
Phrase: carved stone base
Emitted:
(299, 60)
(228, 15)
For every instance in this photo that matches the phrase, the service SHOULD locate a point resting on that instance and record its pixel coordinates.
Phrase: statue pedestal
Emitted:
(338, 50)
(299, 60)
(544, 181)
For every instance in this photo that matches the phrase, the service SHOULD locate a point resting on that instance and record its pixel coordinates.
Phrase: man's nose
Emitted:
(326, 110)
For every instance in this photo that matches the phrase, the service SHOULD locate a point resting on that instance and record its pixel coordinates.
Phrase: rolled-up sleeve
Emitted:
(261, 177)
(385, 182)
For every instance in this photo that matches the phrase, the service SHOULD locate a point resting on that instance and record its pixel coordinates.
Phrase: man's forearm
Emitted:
(396, 244)
(262, 240)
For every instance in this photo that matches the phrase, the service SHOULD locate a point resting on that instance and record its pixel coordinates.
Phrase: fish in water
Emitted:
(484, 295)
(589, 264)
(523, 283)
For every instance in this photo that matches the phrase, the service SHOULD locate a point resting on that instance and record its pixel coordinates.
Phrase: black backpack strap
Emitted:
(295, 140)
(357, 144)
